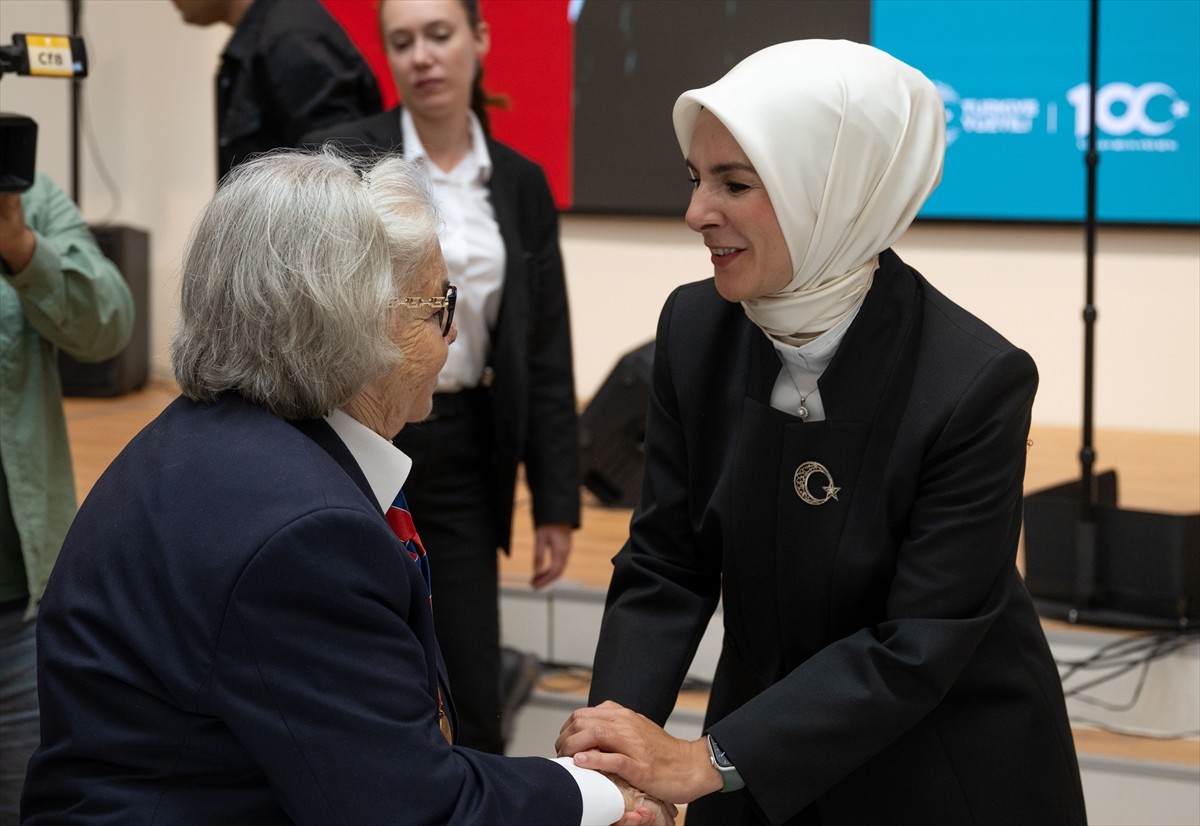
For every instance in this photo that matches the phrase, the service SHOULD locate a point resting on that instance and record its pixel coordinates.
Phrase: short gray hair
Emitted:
(288, 274)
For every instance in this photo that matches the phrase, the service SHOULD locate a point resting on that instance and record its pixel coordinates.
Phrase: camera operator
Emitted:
(57, 290)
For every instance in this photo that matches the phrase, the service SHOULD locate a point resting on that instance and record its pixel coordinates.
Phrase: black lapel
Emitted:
(871, 358)
(508, 214)
(865, 393)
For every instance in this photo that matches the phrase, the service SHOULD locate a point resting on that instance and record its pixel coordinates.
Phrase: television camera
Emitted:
(33, 55)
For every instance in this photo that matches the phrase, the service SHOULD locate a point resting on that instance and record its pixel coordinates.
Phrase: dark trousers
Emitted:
(450, 494)
(18, 705)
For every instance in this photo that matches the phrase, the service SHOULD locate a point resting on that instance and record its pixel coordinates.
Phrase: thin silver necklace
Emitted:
(802, 410)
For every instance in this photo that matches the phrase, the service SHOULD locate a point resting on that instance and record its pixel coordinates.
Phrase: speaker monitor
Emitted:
(1132, 569)
(612, 430)
(129, 249)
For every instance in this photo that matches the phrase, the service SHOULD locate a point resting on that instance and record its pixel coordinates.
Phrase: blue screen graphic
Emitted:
(1013, 75)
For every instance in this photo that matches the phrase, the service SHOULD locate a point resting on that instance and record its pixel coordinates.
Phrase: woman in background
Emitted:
(507, 394)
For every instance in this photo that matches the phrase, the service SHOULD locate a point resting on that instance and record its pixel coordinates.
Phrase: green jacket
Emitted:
(70, 296)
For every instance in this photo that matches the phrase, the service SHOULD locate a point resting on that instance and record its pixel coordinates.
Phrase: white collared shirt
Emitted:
(472, 247)
(386, 467)
(803, 367)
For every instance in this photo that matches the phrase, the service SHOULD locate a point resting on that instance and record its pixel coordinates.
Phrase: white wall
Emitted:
(1027, 281)
(150, 107)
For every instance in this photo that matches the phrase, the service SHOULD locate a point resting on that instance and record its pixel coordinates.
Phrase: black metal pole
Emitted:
(1087, 456)
(1085, 556)
(76, 102)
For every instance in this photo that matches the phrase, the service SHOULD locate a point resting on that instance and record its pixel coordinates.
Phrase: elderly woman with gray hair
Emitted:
(835, 450)
(239, 628)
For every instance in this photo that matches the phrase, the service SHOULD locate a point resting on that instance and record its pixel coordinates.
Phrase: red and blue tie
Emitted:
(401, 521)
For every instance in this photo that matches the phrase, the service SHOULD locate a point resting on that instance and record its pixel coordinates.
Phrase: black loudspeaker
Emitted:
(1128, 569)
(129, 249)
(612, 431)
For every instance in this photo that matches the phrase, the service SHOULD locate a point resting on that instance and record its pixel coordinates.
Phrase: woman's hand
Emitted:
(613, 739)
(551, 549)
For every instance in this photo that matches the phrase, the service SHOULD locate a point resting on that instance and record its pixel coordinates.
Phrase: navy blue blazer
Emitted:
(233, 634)
(534, 418)
(882, 661)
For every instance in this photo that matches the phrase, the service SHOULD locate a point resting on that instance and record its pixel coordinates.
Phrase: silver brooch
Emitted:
(804, 473)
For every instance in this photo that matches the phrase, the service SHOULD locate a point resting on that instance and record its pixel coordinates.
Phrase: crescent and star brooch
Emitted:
(804, 474)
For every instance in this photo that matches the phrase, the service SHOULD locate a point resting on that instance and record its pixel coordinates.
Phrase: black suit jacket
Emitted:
(882, 661)
(533, 383)
(288, 68)
(233, 634)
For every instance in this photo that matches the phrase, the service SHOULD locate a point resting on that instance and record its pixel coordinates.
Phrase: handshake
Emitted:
(652, 769)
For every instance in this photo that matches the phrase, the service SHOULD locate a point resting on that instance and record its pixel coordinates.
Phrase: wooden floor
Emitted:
(1157, 472)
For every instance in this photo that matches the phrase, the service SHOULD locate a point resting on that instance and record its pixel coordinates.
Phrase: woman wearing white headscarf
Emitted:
(836, 451)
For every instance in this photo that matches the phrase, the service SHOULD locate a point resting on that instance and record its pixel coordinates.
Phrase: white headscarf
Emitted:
(848, 142)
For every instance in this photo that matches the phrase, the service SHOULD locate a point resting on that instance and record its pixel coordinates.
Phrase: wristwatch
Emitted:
(729, 774)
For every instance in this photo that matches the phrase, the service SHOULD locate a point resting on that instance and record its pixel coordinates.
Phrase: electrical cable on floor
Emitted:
(1116, 659)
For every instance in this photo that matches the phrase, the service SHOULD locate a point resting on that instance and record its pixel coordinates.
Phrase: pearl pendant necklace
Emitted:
(802, 410)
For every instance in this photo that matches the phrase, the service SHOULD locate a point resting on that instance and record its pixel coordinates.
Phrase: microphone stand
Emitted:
(1086, 559)
(76, 102)
(1085, 552)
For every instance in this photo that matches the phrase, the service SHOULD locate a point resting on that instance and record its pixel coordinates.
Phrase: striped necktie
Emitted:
(402, 524)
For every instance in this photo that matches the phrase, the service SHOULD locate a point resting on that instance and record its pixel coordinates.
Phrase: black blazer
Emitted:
(233, 634)
(533, 384)
(288, 67)
(882, 661)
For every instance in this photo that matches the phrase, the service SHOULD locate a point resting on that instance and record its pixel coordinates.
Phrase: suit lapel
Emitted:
(878, 351)
(883, 350)
(800, 485)
(320, 432)
(507, 213)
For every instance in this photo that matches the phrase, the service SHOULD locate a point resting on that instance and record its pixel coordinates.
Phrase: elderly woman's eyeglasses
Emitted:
(443, 304)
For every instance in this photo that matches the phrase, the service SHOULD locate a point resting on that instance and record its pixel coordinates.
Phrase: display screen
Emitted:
(591, 85)
(1014, 80)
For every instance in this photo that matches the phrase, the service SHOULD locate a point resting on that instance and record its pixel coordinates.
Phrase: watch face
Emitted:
(719, 758)
(730, 778)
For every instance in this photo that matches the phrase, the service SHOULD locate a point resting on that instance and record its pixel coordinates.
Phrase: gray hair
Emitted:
(288, 274)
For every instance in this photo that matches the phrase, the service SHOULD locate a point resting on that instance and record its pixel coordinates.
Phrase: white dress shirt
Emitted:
(803, 367)
(386, 467)
(472, 247)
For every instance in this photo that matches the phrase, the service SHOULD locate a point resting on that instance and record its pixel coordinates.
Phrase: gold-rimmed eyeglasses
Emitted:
(443, 304)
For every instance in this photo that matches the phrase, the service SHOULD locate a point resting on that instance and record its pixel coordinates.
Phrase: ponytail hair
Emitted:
(481, 99)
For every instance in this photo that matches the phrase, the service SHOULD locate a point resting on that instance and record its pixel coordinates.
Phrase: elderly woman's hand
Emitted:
(641, 809)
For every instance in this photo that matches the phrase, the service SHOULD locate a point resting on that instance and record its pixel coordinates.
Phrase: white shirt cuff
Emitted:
(603, 803)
